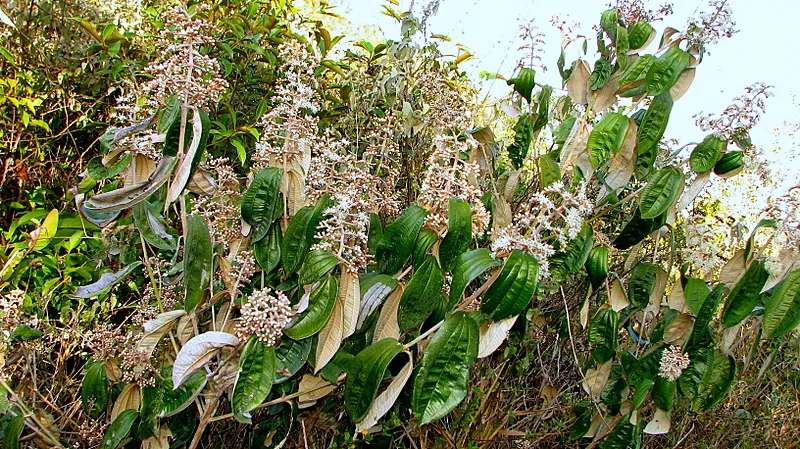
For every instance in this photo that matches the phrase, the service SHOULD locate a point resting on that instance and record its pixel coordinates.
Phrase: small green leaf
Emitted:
(600, 75)
(603, 335)
(94, 390)
(661, 192)
(641, 284)
(706, 154)
(549, 169)
(570, 261)
(168, 114)
(290, 357)
(13, 431)
(260, 200)
(398, 240)
(320, 306)
(317, 264)
(695, 293)
(421, 296)
(256, 374)
(637, 229)
(782, 312)
(606, 138)
(267, 251)
(513, 289)
(119, 429)
(524, 82)
(468, 267)
(597, 266)
(105, 283)
(98, 171)
(442, 379)
(198, 265)
(459, 233)
(640, 35)
(365, 376)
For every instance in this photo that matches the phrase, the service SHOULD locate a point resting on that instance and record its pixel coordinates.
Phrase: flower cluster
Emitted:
(447, 108)
(740, 117)
(552, 214)
(448, 175)
(672, 364)
(182, 70)
(532, 48)
(785, 210)
(106, 342)
(290, 128)
(10, 313)
(633, 11)
(264, 316)
(345, 231)
(127, 14)
(138, 366)
(709, 27)
(705, 249)
(220, 208)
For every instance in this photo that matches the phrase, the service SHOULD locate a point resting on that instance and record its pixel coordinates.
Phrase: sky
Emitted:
(760, 52)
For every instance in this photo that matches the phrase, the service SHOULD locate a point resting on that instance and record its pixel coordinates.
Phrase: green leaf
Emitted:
(267, 251)
(173, 400)
(701, 334)
(524, 82)
(320, 306)
(695, 293)
(469, 266)
(151, 225)
(606, 138)
(641, 284)
(549, 169)
(623, 436)
(13, 431)
(421, 296)
(632, 81)
(570, 261)
(513, 289)
(637, 229)
(608, 22)
(105, 283)
(261, 199)
(198, 265)
(640, 35)
(651, 130)
(98, 171)
(782, 312)
(664, 393)
(600, 75)
(44, 233)
(363, 380)
(623, 45)
(729, 164)
(660, 192)
(317, 264)
(256, 374)
(398, 240)
(299, 235)
(666, 70)
(706, 154)
(523, 136)
(708, 378)
(459, 233)
(168, 114)
(425, 239)
(290, 357)
(119, 429)
(603, 335)
(442, 379)
(597, 266)
(94, 390)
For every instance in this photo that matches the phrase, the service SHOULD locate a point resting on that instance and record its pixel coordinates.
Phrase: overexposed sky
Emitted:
(764, 50)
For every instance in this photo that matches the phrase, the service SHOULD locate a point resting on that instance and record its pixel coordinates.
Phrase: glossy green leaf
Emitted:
(151, 225)
(641, 284)
(597, 266)
(664, 393)
(425, 239)
(606, 138)
(623, 44)
(513, 289)
(94, 390)
(640, 34)
(708, 378)
(119, 429)
(256, 374)
(782, 312)
(665, 71)
(320, 306)
(98, 171)
(608, 22)
(290, 357)
(746, 295)
(363, 380)
(637, 229)
(317, 264)
(459, 233)
(523, 136)
(469, 266)
(398, 240)
(695, 293)
(103, 285)
(45, 232)
(632, 81)
(261, 199)
(706, 154)
(267, 251)
(299, 235)
(603, 332)
(570, 261)
(421, 296)
(442, 379)
(198, 265)
(625, 435)
(549, 169)
(600, 75)
(701, 335)
(661, 192)
(651, 130)
(168, 114)
(729, 164)
(13, 431)
(524, 82)
(172, 400)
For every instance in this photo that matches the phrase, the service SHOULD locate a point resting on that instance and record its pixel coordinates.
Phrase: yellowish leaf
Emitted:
(617, 297)
(386, 326)
(678, 331)
(660, 423)
(312, 388)
(158, 441)
(596, 379)
(129, 399)
(578, 83)
(330, 337)
(350, 297)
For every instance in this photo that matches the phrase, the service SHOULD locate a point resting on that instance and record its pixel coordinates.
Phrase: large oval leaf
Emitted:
(706, 154)
(459, 233)
(261, 199)
(469, 266)
(365, 376)
(651, 130)
(398, 240)
(640, 35)
(267, 251)
(129, 196)
(513, 289)
(661, 192)
(666, 70)
(94, 390)
(641, 283)
(442, 379)
(105, 283)
(197, 266)
(256, 374)
(632, 81)
(782, 312)
(606, 138)
(119, 429)
(701, 335)
(320, 306)
(570, 261)
(172, 401)
(425, 239)
(603, 335)
(201, 126)
(421, 296)
(745, 295)
(299, 235)
(374, 289)
(317, 264)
